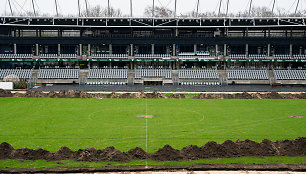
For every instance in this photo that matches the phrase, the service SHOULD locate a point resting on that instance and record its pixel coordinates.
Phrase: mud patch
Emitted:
(294, 116)
(145, 116)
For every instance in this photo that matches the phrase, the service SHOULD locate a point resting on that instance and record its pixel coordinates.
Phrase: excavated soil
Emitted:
(85, 94)
(167, 153)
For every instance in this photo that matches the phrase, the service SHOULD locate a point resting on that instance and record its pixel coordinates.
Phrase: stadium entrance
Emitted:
(155, 83)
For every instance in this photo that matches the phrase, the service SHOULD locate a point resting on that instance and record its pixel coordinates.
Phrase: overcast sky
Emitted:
(183, 6)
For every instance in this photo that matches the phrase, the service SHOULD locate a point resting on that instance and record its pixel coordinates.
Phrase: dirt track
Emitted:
(167, 153)
(202, 95)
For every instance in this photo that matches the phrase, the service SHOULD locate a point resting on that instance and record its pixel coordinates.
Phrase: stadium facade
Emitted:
(148, 48)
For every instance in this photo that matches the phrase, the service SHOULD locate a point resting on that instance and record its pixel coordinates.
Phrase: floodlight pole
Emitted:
(198, 8)
(220, 7)
(10, 7)
(297, 5)
(250, 7)
(86, 3)
(175, 8)
(108, 8)
(131, 8)
(227, 7)
(79, 8)
(33, 8)
(56, 7)
(273, 6)
(153, 9)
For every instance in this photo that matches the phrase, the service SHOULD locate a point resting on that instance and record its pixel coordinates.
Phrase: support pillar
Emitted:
(88, 50)
(217, 49)
(81, 50)
(132, 50)
(195, 48)
(291, 50)
(269, 50)
(153, 49)
(36, 50)
(174, 50)
(58, 49)
(246, 50)
(225, 50)
(15, 49)
(110, 49)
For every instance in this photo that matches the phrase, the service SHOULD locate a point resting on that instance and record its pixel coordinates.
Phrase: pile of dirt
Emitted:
(167, 153)
(4, 93)
(138, 153)
(84, 94)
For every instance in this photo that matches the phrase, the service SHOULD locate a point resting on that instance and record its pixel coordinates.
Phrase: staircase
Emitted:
(131, 75)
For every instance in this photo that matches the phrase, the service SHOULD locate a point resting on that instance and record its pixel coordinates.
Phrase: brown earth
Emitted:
(167, 153)
(85, 94)
(225, 168)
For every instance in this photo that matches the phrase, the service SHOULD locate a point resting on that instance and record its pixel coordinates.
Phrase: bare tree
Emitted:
(98, 11)
(158, 12)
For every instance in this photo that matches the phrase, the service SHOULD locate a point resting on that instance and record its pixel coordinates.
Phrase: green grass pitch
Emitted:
(99, 123)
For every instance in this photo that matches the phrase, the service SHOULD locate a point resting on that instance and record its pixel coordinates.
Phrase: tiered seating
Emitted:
(281, 56)
(68, 56)
(198, 74)
(153, 56)
(290, 74)
(191, 55)
(107, 77)
(48, 56)
(301, 56)
(58, 74)
(108, 74)
(257, 56)
(155, 73)
(247, 74)
(201, 83)
(109, 56)
(237, 56)
(20, 73)
(16, 56)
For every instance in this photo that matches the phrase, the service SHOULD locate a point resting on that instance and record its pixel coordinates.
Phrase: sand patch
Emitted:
(145, 116)
(294, 116)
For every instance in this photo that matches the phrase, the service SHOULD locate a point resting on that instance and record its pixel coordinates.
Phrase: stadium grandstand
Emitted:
(154, 50)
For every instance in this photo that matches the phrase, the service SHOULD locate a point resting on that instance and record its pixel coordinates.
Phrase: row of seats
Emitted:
(48, 56)
(108, 74)
(155, 73)
(247, 74)
(257, 56)
(281, 56)
(153, 56)
(58, 74)
(16, 56)
(201, 83)
(110, 56)
(290, 74)
(193, 54)
(16, 73)
(237, 56)
(106, 83)
(198, 74)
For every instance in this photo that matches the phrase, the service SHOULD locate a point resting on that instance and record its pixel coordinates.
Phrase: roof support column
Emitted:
(58, 49)
(195, 48)
(269, 50)
(36, 49)
(81, 50)
(225, 50)
(153, 49)
(88, 50)
(15, 48)
(132, 50)
(246, 50)
(217, 49)
(174, 50)
(291, 46)
(110, 48)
